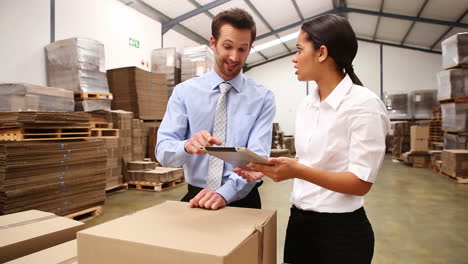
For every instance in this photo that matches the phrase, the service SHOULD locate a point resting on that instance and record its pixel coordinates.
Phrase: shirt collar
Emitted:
(340, 91)
(215, 80)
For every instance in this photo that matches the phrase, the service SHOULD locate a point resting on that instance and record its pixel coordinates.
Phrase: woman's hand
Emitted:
(283, 168)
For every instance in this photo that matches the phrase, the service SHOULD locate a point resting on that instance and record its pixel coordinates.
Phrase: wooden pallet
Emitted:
(457, 179)
(45, 133)
(155, 186)
(87, 214)
(457, 100)
(117, 189)
(101, 124)
(95, 96)
(104, 132)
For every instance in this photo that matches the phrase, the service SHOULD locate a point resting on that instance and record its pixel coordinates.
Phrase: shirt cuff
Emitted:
(363, 173)
(181, 154)
(227, 191)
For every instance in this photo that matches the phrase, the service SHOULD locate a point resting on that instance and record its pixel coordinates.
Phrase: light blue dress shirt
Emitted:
(191, 108)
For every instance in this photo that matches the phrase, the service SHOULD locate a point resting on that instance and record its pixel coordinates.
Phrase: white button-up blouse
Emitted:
(343, 133)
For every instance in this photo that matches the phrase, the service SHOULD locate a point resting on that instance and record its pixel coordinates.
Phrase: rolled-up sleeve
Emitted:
(237, 188)
(170, 149)
(368, 128)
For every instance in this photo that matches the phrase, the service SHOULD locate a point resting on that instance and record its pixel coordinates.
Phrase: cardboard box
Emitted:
(419, 138)
(60, 254)
(174, 233)
(31, 231)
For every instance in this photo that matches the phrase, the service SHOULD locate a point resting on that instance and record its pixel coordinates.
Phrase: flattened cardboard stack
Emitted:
(455, 162)
(78, 65)
(31, 231)
(123, 121)
(141, 92)
(59, 177)
(156, 175)
(19, 97)
(230, 235)
(401, 139)
(114, 151)
(196, 61)
(453, 84)
(167, 61)
(151, 130)
(140, 140)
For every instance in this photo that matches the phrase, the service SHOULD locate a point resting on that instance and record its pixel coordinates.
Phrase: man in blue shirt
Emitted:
(190, 116)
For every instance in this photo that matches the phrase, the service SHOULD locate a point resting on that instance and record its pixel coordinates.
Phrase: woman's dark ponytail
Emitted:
(338, 36)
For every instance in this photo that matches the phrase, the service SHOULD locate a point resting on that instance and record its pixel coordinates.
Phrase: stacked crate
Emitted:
(167, 61)
(78, 65)
(453, 96)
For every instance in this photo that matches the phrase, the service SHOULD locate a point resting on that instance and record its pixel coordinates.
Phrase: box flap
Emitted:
(63, 253)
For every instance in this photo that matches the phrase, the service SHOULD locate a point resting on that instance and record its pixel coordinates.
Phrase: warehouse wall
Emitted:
(404, 71)
(25, 30)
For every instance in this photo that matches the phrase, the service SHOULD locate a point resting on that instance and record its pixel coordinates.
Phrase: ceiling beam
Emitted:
(414, 22)
(378, 20)
(254, 9)
(372, 13)
(448, 30)
(197, 5)
(169, 24)
(404, 17)
(398, 45)
(160, 17)
(249, 67)
(299, 13)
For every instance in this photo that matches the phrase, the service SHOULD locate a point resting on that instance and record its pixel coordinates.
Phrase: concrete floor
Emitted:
(418, 216)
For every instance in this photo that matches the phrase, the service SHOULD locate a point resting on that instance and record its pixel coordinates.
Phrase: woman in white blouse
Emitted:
(340, 144)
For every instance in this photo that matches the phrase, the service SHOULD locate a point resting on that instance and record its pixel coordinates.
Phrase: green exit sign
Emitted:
(133, 43)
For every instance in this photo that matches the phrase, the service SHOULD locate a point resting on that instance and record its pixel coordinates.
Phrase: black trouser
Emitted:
(252, 200)
(332, 238)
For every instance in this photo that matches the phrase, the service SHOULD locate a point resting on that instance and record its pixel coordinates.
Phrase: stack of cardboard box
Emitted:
(141, 92)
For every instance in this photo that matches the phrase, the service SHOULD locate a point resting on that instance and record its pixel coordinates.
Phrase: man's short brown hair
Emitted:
(237, 18)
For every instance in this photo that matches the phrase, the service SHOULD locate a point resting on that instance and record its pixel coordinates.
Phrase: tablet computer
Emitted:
(237, 156)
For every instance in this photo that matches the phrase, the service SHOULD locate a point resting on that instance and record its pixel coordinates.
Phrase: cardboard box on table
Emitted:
(31, 231)
(174, 233)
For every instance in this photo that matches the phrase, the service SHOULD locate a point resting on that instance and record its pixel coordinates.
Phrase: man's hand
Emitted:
(250, 176)
(201, 139)
(208, 199)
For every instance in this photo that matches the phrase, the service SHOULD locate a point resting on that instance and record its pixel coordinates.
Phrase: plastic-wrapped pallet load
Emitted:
(196, 61)
(17, 97)
(455, 51)
(398, 106)
(455, 117)
(453, 84)
(422, 103)
(455, 141)
(167, 61)
(77, 64)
